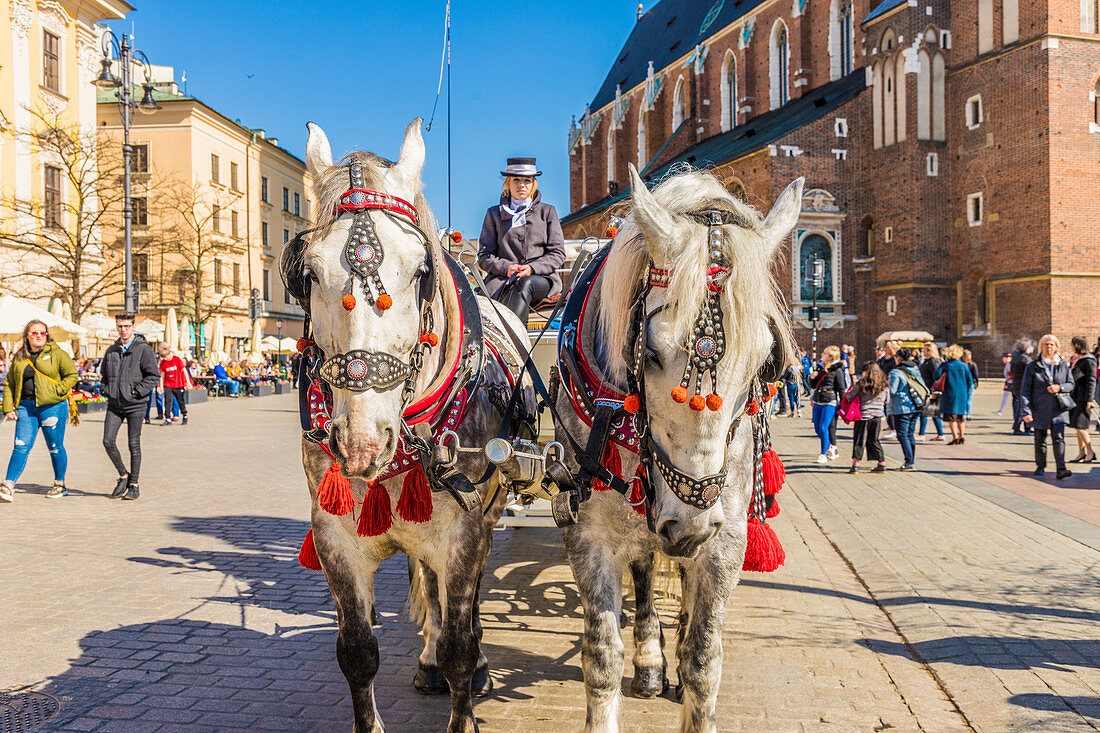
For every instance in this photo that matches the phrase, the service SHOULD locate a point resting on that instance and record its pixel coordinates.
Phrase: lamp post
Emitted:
(279, 325)
(113, 49)
(818, 283)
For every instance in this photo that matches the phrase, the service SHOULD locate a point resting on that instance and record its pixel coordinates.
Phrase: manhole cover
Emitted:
(25, 711)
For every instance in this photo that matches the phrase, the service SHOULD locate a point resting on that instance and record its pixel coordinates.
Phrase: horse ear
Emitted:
(412, 155)
(318, 152)
(656, 223)
(784, 215)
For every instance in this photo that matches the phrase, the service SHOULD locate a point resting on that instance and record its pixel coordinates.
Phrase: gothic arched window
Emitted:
(729, 92)
(780, 63)
(678, 105)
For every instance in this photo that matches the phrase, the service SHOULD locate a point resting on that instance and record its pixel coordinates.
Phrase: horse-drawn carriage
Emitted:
(420, 402)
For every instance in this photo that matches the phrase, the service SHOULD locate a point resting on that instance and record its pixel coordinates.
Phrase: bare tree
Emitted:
(61, 225)
(195, 229)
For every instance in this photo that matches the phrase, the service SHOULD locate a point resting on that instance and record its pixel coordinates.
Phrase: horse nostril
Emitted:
(666, 530)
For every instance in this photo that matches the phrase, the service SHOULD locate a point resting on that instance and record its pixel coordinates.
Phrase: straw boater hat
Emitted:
(521, 167)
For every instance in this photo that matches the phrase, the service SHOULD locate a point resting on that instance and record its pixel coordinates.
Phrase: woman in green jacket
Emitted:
(36, 394)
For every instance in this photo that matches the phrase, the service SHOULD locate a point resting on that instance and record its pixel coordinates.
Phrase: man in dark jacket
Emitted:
(1021, 357)
(129, 373)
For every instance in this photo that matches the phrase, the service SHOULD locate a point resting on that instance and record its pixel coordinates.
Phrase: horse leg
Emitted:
(356, 645)
(482, 683)
(700, 668)
(459, 650)
(599, 580)
(424, 594)
(650, 679)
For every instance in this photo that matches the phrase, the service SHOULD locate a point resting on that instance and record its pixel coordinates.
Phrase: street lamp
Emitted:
(818, 283)
(126, 55)
(279, 325)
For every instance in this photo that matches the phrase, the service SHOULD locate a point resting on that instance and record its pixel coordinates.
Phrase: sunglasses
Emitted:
(36, 333)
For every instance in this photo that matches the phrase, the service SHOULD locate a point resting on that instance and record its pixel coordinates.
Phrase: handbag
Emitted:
(1064, 401)
(940, 383)
(849, 406)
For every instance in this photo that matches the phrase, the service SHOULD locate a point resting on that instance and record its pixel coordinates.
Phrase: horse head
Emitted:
(693, 283)
(366, 264)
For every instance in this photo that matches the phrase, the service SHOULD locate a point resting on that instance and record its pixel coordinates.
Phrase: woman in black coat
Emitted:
(1084, 389)
(521, 245)
(1043, 380)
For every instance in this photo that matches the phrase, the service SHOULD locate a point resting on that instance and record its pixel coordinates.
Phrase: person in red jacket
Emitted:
(173, 382)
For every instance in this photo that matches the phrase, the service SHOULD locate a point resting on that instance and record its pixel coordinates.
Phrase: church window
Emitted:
(899, 65)
(1095, 127)
(611, 153)
(1010, 21)
(939, 74)
(642, 160)
(974, 112)
(932, 164)
(889, 104)
(729, 92)
(974, 213)
(840, 38)
(985, 26)
(678, 105)
(876, 106)
(780, 66)
(815, 247)
(924, 96)
(1088, 16)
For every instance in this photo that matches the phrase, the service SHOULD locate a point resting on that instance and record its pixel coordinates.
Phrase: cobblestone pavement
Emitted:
(906, 603)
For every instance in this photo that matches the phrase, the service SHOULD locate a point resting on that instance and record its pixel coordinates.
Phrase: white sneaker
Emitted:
(889, 435)
(7, 492)
(822, 458)
(833, 453)
(920, 438)
(998, 413)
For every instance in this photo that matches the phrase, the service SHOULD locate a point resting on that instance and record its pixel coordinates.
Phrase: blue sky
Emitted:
(363, 70)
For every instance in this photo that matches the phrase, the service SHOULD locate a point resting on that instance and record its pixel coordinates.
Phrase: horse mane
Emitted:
(333, 182)
(751, 294)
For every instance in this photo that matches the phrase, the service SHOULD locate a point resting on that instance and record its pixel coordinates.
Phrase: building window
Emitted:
(141, 211)
(945, 40)
(815, 247)
(939, 75)
(51, 197)
(840, 127)
(932, 164)
(297, 205)
(642, 159)
(286, 199)
(889, 104)
(233, 177)
(737, 189)
(840, 39)
(217, 275)
(866, 244)
(141, 270)
(216, 217)
(900, 95)
(729, 92)
(974, 112)
(236, 278)
(611, 154)
(1010, 21)
(214, 168)
(51, 61)
(1095, 94)
(877, 95)
(1088, 16)
(267, 284)
(263, 189)
(985, 26)
(888, 235)
(974, 211)
(234, 223)
(263, 234)
(139, 158)
(888, 39)
(286, 297)
(780, 62)
(286, 236)
(678, 105)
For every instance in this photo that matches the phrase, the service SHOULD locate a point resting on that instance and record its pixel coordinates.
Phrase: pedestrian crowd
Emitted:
(907, 389)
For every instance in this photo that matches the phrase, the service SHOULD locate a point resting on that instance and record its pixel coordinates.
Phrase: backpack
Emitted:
(918, 390)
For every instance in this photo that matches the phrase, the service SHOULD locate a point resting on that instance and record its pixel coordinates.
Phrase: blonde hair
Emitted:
(508, 179)
(831, 354)
(954, 351)
(932, 349)
(1050, 337)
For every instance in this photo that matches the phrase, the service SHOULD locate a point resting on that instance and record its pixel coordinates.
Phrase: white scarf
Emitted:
(518, 211)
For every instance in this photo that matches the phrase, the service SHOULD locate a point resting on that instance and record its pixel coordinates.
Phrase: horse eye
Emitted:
(652, 357)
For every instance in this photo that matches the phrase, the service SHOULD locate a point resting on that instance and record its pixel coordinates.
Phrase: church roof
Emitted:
(883, 8)
(751, 136)
(671, 29)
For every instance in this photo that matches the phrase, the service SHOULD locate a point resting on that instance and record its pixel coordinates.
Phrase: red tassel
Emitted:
(307, 556)
(613, 462)
(773, 508)
(763, 552)
(375, 518)
(774, 473)
(415, 504)
(334, 493)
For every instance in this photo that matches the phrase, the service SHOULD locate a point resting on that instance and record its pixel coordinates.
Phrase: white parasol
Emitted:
(100, 326)
(272, 345)
(153, 331)
(15, 313)
(255, 345)
(185, 335)
(217, 339)
(171, 329)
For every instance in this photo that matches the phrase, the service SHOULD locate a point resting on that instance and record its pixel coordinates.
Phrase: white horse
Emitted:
(687, 248)
(394, 334)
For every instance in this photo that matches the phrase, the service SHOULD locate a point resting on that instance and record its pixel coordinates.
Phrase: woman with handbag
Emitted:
(1046, 402)
(1084, 387)
(956, 388)
(38, 396)
(927, 369)
(869, 393)
(828, 384)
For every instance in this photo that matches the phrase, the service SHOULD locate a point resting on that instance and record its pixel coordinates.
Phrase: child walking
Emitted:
(871, 391)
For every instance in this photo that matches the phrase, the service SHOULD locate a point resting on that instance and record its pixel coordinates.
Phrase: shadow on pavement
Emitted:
(1088, 707)
(999, 652)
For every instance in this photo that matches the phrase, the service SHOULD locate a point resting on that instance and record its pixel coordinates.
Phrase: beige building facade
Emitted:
(215, 198)
(49, 55)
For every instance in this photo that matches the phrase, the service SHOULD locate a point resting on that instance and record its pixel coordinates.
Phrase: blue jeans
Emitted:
(157, 398)
(793, 401)
(905, 424)
(822, 419)
(51, 420)
(936, 421)
(232, 386)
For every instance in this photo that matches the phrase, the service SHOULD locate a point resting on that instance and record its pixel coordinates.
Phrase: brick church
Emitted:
(951, 152)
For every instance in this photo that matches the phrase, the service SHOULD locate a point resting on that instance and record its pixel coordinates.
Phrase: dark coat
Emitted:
(540, 244)
(956, 387)
(1036, 401)
(129, 378)
(828, 384)
(928, 369)
(1019, 363)
(1084, 379)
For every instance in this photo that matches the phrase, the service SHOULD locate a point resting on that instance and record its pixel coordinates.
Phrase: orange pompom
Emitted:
(384, 302)
(772, 390)
(632, 403)
(680, 394)
(611, 232)
(456, 237)
(714, 402)
(697, 402)
(303, 344)
(348, 302)
(752, 408)
(429, 338)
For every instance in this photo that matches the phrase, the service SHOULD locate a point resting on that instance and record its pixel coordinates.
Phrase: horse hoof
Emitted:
(482, 684)
(429, 680)
(649, 682)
